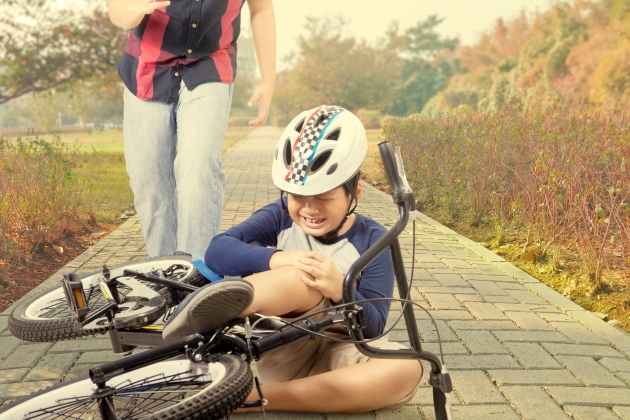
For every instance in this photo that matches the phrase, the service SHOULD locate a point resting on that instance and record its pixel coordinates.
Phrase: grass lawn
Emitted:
(372, 168)
(101, 165)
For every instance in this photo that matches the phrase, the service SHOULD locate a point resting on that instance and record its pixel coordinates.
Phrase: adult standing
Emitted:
(178, 68)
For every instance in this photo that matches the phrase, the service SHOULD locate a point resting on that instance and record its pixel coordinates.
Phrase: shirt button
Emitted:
(194, 25)
(176, 74)
(189, 51)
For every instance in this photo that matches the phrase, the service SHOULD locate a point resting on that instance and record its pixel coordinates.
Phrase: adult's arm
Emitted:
(263, 23)
(129, 13)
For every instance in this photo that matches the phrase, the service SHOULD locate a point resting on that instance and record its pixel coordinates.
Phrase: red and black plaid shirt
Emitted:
(190, 40)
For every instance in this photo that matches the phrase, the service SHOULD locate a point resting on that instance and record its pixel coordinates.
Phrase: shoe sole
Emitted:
(210, 309)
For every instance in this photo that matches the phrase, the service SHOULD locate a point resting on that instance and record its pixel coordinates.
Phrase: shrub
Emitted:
(40, 199)
(370, 119)
(560, 174)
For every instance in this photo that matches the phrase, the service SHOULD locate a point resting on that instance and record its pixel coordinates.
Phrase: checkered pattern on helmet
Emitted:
(304, 148)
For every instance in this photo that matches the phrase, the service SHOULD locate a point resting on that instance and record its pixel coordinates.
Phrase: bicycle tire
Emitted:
(157, 391)
(45, 316)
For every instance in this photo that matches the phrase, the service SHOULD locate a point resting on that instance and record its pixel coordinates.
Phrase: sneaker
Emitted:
(209, 308)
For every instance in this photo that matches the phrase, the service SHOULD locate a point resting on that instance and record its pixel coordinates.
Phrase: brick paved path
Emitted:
(516, 348)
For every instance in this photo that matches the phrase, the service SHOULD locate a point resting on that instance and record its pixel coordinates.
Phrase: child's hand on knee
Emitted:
(328, 279)
(285, 258)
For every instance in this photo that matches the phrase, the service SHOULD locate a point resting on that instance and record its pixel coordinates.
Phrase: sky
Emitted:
(369, 19)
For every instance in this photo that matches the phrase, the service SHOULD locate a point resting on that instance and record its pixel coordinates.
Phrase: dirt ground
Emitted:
(44, 263)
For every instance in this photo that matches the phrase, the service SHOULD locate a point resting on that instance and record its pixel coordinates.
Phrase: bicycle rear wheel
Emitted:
(46, 317)
(173, 389)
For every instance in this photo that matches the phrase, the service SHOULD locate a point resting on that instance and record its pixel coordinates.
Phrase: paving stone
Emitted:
(615, 365)
(577, 333)
(22, 389)
(511, 285)
(609, 397)
(8, 344)
(449, 290)
(487, 288)
(482, 325)
(499, 279)
(451, 280)
(443, 301)
(52, 367)
(448, 348)
(499, 299)
(623, 412)
(26, 355)
(474, 387)
(526, 297)
(481, 342)
(589, 371)
(270, 415)
(590, 413)
(12, 375)
(525, 307)
(424, 395)
(556, 299)
(97, 357)
(533, 377)
(77, 371)
(531, 336)
(361, 416)
(446, 314)
(469, 298)
(483, 362)
(555, 317)
(485, 311)
(457, 264)
(478, 412)
(532, 403)
(4, 320)
(529, 321)
(405, 412)
(556, 349)
(532, 356)
(428, 334)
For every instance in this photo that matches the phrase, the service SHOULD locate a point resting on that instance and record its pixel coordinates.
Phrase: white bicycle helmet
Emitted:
(321, 149)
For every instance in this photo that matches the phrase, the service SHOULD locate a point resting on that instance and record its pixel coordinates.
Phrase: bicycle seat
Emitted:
(209, 308)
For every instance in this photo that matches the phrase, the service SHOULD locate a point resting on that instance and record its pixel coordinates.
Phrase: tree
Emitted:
(45, 46)
(330, 68)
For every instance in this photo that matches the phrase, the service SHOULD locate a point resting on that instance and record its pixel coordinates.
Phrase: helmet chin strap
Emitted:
(334, 233)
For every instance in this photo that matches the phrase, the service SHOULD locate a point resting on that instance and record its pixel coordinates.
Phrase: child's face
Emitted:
(320, 214)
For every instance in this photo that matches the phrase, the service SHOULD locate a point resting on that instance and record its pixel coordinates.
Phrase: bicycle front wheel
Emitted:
(46, 317)
(174, 389)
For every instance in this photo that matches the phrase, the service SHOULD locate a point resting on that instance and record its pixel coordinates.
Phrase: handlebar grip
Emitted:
(389, 163)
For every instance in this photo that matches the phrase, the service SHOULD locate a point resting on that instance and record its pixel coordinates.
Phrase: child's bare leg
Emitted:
(282, 292)
(354, 389)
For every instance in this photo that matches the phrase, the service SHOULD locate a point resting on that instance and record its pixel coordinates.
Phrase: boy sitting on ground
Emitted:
(316, 237)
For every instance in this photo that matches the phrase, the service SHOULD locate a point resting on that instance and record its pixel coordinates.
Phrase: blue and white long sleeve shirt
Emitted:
(231, 254)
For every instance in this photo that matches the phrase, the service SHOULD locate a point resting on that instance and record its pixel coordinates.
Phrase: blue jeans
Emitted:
(173, 155)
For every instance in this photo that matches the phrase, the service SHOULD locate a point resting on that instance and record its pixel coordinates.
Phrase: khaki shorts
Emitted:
(313, 357)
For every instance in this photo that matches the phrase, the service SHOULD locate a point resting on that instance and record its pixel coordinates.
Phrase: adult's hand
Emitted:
(262, 94)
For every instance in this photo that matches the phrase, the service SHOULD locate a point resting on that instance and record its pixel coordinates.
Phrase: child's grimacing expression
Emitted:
(320, 214)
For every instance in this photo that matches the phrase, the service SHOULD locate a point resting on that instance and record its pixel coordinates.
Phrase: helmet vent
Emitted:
(287, 153)
(320, 120)
(298, 127)
(332, 169)
(334, 135)
(320, 161)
